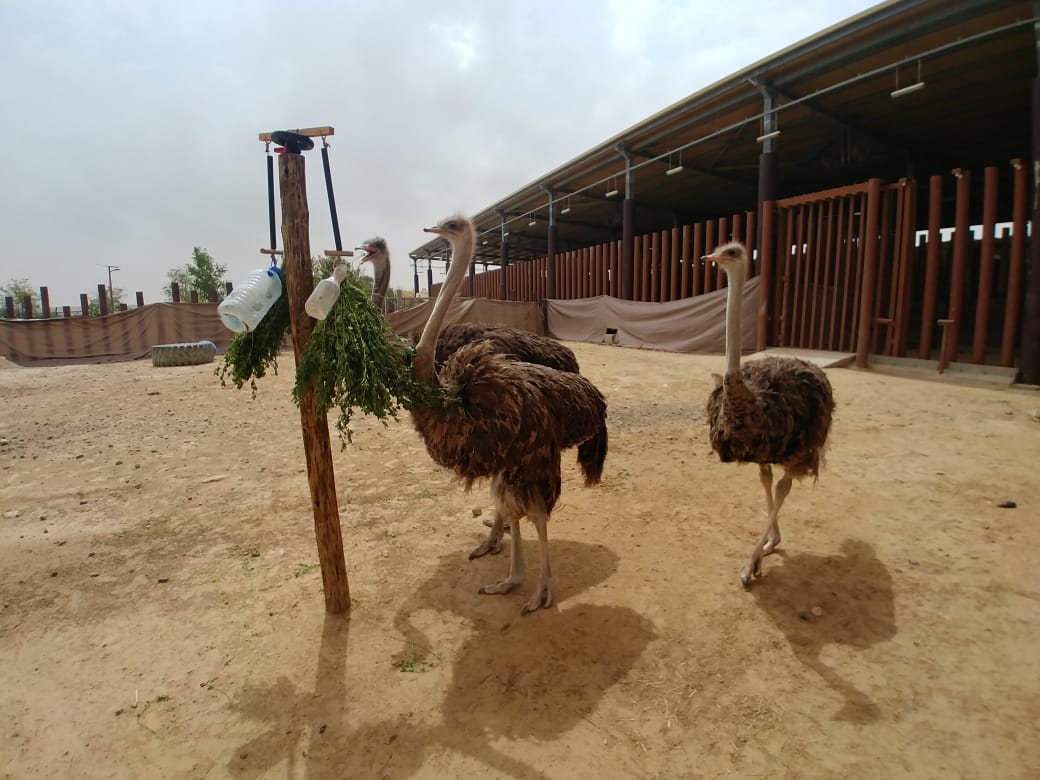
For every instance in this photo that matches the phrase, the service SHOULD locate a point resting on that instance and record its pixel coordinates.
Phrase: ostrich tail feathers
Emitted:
(591, 455)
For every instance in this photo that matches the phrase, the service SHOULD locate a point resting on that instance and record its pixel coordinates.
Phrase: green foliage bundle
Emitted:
(250, 355)
(356, 361)
(353, 358)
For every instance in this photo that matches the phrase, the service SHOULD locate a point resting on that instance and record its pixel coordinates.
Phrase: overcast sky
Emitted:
(130, 127)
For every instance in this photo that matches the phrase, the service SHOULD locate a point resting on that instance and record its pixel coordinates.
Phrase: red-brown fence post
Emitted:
(961, 239)
(982, 302)
(1013, 307)
(194, 296)
(870, 262)
(175, 292)
(931, 274)
(27, 307)
(84, 305)
(140, 299)
(9, 306)
(102, 294)
(765, 285)
(45, 303)
(66, 311)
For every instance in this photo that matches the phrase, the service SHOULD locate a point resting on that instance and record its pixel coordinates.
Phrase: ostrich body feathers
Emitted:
(514, 418)
(777, 410)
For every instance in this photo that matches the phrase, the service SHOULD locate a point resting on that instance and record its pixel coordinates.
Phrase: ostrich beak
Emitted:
(713, 259)
(436, 229)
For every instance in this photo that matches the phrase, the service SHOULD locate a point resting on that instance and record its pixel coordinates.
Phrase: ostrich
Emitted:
(774, 410)
(512, 342)
(375, 247)
(511, 421)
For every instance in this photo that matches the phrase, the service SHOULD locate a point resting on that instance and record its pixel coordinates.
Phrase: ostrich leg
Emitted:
(753, 567)
(765, 473)
(516, 562)
(542, 596)
(493, 544)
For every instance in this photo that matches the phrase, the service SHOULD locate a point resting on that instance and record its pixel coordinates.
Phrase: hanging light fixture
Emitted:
(917, 86)
(674, 169)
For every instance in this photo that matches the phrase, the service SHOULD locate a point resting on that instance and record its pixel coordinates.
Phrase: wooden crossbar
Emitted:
(310, 132)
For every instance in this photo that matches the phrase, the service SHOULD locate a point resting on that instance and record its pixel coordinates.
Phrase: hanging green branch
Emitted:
(357, 362)
(251, 354)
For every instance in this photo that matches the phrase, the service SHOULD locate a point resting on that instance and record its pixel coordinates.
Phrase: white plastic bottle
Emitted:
(250, 300)
(325, 294)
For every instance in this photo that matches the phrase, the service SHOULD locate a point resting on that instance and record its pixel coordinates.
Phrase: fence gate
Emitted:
(828, 269)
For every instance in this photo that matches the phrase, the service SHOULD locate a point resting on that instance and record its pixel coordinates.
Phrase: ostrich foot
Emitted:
(500, 587)
(752, 569)
(542, 598)
(772, 542)
(493, 545)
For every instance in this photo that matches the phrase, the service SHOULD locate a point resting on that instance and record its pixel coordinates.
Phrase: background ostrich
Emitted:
(773, 410)
(510, 423)
(512, 342)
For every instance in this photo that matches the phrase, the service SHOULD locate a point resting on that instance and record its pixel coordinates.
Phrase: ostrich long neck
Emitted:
(461, 255)
(734, 303)
(381, 272)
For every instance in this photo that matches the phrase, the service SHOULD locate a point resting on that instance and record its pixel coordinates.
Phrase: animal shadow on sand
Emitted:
(854, 592)
(513, 678)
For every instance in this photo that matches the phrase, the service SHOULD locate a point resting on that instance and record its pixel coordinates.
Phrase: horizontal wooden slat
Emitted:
(310, 132)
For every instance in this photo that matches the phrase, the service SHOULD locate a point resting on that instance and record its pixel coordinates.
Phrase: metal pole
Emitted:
(332, 197)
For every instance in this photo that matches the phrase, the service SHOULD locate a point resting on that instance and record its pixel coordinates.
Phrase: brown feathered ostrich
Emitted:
(512, 342)
(773, 410)
(510, 423)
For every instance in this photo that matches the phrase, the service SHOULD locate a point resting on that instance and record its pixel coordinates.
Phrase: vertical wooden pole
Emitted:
(102, 294)
(66, 311)
(9, 306)
(765, 286)
(175, 292)
(687, 261)
(676, 261)
(870, 263)
(84, 305)
(194, 296)
(45, 303)
(628, 254)
(1030, 358)
(931, 274)
(697, 265)
(140, 299)
(299, 283)
(27, 309)
(654, 267)
(982, 303)
(961, 240)
(1013, 307)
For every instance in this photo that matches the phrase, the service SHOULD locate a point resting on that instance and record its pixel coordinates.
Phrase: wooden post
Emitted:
(299, 283)
(66, 311)
(84, 305)
(229, 286)
(1013, 307)
(140, 298)
(27, 309)
(982, 303)
(45, 303)
(102, 295)
(9, 306)
(124, 307)
(961, 240)
(175, 292)
(931, 274)
(870, 262)
(765, 285)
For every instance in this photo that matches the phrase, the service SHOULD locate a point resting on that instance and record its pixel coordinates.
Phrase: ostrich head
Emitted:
(454, 229)
(731, 256)
(379, 256)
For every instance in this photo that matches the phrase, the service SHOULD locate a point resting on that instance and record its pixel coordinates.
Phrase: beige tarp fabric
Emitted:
(127, 335)
(515, 314)
(690, 325)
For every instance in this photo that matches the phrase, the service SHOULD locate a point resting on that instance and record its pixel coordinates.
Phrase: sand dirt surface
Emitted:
(161, 610)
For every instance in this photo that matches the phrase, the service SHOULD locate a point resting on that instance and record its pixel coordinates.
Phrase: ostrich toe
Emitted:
(493, 545)
(500, 587)
(542, 598)
(490, 523)
(752, 569)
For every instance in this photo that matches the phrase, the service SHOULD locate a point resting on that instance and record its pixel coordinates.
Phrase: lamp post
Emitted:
(111, 296)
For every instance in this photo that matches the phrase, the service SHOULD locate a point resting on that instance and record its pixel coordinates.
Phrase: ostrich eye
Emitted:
(731, 252)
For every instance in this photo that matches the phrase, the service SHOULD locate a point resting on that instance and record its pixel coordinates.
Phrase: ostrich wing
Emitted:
(518, 344)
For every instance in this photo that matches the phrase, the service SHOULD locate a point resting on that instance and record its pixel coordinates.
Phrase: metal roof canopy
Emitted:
(838, 120)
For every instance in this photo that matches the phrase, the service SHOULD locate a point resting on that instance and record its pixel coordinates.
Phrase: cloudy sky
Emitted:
(131, 126)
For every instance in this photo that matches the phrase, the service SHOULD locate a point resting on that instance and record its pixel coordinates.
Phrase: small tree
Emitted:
(18, 289)
(203, 275)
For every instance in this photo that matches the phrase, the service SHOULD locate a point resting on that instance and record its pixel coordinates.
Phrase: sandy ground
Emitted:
(161, 611)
